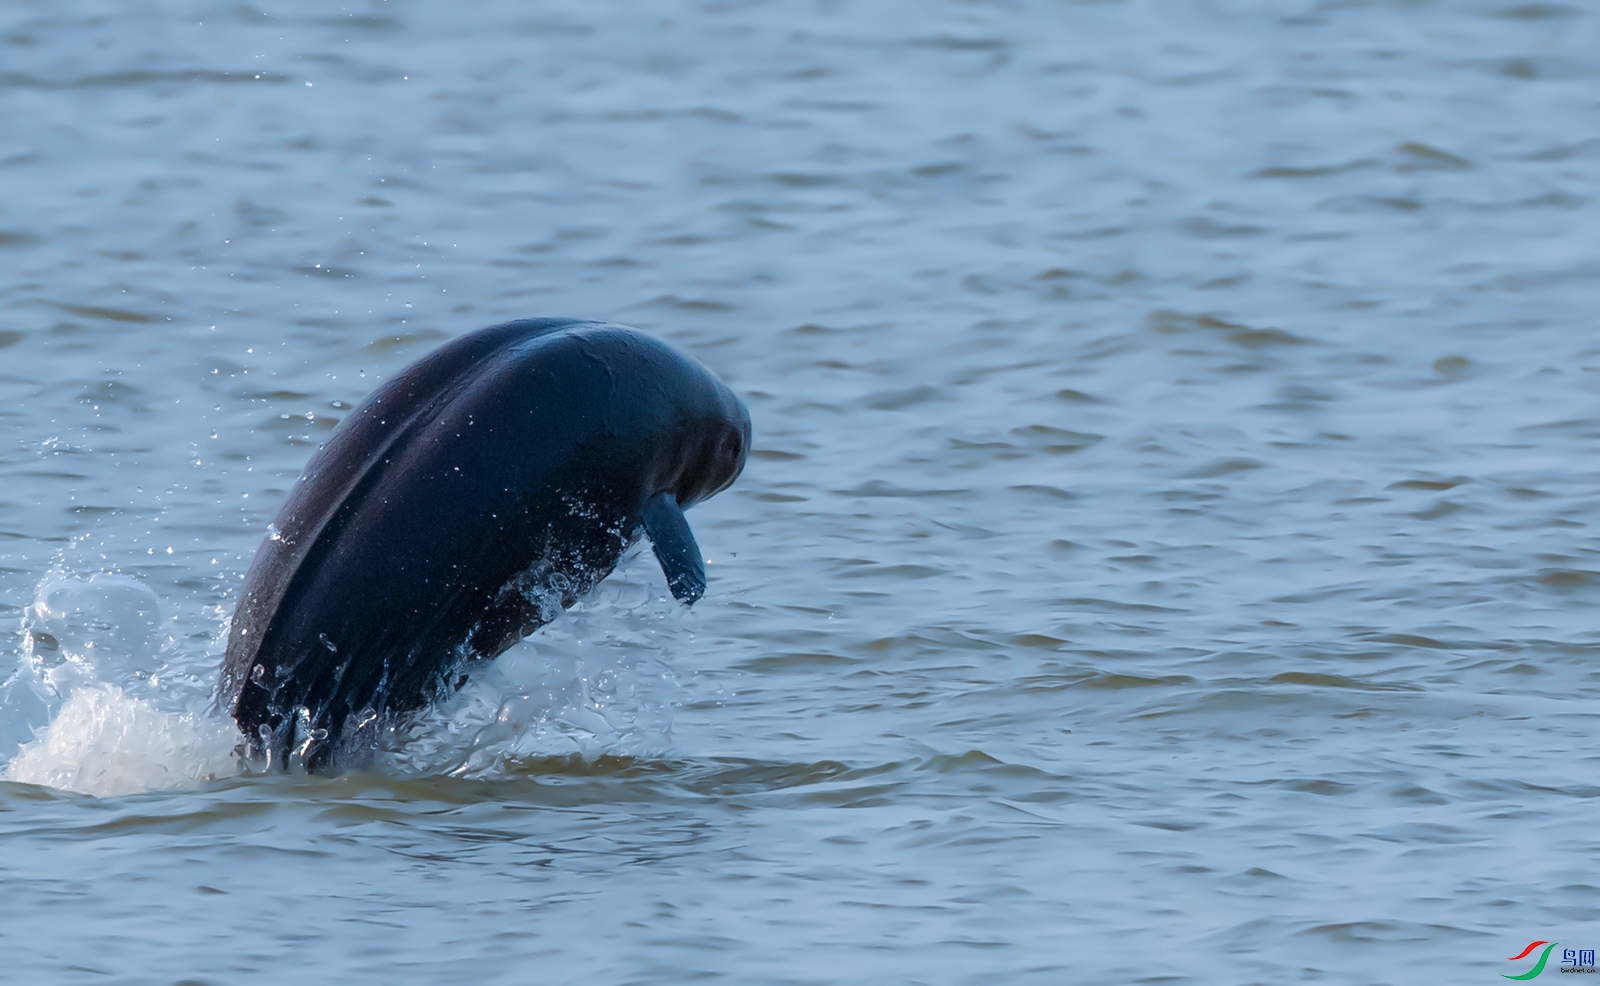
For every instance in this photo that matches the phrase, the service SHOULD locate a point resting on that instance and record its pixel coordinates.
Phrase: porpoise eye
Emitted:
(732, 446)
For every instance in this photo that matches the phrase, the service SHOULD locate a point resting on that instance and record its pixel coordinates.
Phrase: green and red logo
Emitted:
(1538, 967)
(1572, 959)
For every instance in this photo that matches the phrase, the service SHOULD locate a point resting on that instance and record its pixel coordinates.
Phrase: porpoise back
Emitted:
(459, 508)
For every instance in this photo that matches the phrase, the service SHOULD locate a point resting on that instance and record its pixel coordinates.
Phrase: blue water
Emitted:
(1168, 555)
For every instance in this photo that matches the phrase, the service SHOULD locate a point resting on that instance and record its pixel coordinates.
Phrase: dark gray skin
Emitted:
(459, 509)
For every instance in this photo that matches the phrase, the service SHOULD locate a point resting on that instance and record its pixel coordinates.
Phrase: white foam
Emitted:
(105, 742)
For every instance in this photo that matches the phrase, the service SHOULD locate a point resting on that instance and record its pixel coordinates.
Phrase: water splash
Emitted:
(119, 700)
(123, 706)
(104, 627)
(595, 681)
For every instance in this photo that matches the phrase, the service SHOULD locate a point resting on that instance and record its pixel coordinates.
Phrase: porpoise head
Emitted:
(717, 439)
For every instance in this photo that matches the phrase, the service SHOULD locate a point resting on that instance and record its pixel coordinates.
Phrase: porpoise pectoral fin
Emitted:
(675, 548)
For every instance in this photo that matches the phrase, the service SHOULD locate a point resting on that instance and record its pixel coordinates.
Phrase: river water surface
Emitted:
(1170, 552)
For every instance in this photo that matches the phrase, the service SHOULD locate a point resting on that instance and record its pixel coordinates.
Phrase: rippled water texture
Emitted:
(1168, 554)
